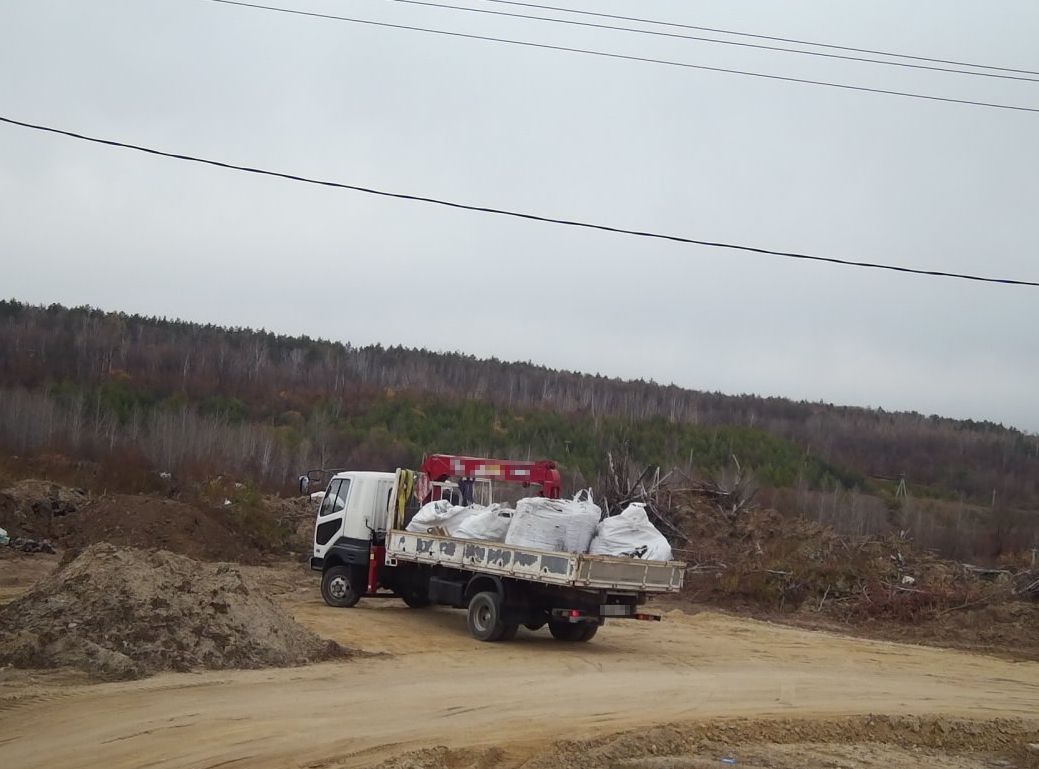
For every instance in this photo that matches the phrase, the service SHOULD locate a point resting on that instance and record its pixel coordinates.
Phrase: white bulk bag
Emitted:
(584, 518)
(489, 524)
(565, 526)
(441, 516)
(631, 534)
(538, 524)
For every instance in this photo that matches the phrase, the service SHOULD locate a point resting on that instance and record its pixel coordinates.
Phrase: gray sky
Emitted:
(705, 155)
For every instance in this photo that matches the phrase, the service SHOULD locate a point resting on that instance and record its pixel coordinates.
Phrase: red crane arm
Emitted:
(440, 467)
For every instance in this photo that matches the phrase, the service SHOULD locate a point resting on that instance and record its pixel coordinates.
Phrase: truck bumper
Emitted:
(627, 612)
(317, 564)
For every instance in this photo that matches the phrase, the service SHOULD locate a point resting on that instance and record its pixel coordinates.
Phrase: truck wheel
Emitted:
(340, 586)
(572, 632)
(484, 620)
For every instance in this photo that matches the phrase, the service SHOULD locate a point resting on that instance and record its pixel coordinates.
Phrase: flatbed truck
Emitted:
(363, 550)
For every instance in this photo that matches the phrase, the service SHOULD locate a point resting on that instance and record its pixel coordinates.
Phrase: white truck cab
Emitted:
(352, 513)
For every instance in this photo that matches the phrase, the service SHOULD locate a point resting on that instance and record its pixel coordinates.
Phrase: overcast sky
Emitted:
(701, 154)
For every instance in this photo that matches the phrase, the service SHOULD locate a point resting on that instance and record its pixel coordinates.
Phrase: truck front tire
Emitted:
(341, 586)
(485, 619)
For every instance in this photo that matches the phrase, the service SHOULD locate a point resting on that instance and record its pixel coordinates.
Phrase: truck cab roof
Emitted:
(362, 474)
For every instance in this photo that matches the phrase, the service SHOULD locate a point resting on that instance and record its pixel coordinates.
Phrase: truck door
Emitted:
(329, 525)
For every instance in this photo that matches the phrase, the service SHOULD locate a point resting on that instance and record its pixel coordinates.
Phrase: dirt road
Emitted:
(436, 686)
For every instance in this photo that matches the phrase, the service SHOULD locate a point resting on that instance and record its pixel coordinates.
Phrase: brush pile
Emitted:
(741, 555)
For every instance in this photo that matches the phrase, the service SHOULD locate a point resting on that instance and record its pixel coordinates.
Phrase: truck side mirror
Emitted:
(304, 484)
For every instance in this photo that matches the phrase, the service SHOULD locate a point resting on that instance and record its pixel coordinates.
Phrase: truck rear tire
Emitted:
(341, 586)
(589, 632)
(485, 619)
(575, 632)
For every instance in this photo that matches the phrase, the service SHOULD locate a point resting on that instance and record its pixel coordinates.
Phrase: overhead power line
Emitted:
(679, 36)
(762, 37)
(518, 214)
(606, 54)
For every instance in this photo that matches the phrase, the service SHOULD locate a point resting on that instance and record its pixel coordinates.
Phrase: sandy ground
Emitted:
(430, 684)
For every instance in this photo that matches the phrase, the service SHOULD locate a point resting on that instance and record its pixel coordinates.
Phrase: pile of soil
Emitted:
(133, 520)
(213, 529)
(918, 740)
(870, 742)
(32, 508)
(122, 613)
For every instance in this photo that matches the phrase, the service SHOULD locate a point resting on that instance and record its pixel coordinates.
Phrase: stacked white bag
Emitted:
(440, 516)
(631, 534)
(489, 524)
(558, 525)
(473, 522)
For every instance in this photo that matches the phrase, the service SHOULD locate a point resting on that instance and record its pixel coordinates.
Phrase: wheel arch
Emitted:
(332, 559)
(484, 583)
(347, 552)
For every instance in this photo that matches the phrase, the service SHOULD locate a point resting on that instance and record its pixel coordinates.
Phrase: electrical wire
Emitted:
(645, 59)
(678, 36)
(518, 214)
(762, 37)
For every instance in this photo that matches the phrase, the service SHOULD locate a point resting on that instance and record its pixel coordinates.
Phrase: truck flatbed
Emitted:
(578, 570)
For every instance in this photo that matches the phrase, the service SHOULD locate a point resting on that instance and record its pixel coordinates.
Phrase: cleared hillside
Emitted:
(108, 401)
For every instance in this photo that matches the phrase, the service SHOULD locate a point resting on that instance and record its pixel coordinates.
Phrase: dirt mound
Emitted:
(863, 741)
(32, 507)
(225, 521)
(125, 613)
(442, 757)
(719, 738)
(149, 522)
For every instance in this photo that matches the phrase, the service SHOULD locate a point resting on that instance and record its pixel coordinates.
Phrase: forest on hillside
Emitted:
(139, 394)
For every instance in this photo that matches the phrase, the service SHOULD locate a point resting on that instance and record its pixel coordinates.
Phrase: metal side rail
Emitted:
(598, 572)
